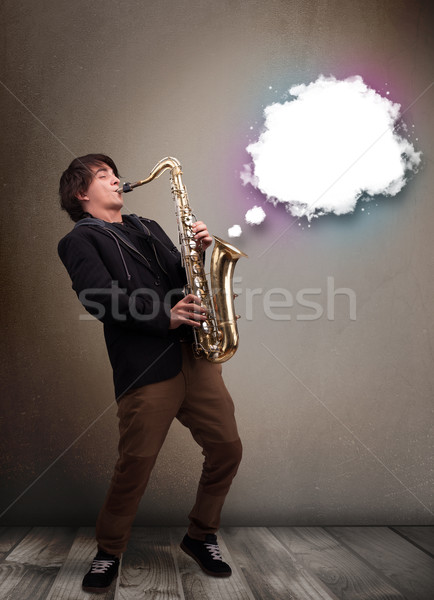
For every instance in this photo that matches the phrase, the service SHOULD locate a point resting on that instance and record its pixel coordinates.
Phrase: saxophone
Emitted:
(217, 337)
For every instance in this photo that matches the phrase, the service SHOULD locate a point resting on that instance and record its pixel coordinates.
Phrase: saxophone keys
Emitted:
(197, 350)
(235, 296)
(237, 317)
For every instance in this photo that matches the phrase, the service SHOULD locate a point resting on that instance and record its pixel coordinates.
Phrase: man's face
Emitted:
(101, 193)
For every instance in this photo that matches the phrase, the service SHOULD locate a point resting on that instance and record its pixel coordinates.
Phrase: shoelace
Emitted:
(101, 566)
(214, 550)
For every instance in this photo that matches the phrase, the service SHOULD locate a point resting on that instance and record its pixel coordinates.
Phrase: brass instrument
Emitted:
(217, 338)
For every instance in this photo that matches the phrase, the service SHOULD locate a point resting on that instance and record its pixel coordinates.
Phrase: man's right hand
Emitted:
(187, 311)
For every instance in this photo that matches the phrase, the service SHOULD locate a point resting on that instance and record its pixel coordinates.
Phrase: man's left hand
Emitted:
(202, 236)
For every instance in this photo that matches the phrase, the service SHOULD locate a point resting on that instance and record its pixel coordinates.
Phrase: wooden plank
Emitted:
(43, 547)
(67, 585)
(19, 582)
(271, 570)
(423, 537)
(10, 537)
(410, 569)
(29, 570)
(197, 585)
(148, 567)
(345, 574)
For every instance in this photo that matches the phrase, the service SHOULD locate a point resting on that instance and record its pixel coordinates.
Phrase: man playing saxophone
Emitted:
(127, 273)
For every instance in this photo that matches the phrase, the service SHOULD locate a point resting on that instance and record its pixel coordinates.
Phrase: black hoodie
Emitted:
(129, 277)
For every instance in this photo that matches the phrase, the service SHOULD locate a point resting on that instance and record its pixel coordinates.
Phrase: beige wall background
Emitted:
(336, 415)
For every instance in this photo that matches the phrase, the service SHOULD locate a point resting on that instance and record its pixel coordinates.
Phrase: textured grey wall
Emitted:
(336, 415)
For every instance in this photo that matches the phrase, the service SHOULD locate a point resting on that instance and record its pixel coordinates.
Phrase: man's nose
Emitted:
(116, 180)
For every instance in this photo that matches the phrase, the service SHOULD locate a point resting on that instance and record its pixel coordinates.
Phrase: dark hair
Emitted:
(77, 178)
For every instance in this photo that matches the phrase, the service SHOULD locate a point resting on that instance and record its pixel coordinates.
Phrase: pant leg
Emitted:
(208, 411)
(145, 415)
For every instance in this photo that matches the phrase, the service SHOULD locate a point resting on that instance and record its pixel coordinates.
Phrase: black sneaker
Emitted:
(207, 555)
(103, 570)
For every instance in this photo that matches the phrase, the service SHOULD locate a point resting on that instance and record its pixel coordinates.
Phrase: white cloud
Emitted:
(320, 152)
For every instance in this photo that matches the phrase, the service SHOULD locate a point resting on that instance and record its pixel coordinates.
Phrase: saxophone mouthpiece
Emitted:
(127, 187)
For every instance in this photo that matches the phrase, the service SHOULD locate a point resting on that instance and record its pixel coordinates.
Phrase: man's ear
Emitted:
(82, 196)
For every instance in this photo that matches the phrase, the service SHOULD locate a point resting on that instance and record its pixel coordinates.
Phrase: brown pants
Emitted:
(198, 398)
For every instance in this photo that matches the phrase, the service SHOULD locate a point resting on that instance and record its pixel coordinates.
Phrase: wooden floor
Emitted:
(290, 563)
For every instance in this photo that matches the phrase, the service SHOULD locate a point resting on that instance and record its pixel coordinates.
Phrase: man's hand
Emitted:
(202, 235)
(187, 311)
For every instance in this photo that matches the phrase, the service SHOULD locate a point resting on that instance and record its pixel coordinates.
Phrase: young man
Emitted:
(127, 273)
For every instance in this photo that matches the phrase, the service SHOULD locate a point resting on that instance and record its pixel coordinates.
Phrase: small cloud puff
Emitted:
(255, 216)
(234, 231)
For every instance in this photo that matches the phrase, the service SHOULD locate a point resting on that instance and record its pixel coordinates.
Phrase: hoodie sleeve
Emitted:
(140, 310)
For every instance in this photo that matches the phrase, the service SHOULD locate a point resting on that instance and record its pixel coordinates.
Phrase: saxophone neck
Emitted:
(163, 165)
